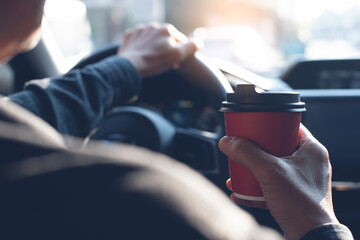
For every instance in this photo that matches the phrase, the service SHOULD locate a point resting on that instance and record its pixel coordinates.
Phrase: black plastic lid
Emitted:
(247, 99)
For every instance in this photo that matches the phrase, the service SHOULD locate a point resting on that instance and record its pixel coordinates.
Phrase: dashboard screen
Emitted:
(337, 79)
(324, 74)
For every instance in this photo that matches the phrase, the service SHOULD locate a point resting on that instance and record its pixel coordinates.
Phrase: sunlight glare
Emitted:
(307, 10)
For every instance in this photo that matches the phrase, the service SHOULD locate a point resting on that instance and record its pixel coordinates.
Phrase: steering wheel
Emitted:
(196, 83)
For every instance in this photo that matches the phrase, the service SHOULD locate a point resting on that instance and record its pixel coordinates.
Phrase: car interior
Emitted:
(178, 113)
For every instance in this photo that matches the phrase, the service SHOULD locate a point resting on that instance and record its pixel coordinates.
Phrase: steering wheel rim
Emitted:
(197, 67)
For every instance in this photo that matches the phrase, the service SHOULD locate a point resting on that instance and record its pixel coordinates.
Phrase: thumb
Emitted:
(246, 152)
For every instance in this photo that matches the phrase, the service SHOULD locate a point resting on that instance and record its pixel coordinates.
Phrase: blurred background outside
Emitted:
(260, 35)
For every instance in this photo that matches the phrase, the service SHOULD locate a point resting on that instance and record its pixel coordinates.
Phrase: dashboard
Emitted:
(324, 74)
(333, 117)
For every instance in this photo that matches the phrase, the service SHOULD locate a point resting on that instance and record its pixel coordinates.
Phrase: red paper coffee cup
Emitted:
(269, 119)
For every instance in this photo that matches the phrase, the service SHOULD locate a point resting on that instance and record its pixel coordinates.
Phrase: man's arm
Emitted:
(76, 102)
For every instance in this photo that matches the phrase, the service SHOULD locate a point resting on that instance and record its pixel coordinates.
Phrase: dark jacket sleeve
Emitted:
(76, 102)
(329, 232)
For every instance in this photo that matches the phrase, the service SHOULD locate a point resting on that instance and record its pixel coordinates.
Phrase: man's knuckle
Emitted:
(128, 33)
(164, 31)
(176, 55)
(322, 154)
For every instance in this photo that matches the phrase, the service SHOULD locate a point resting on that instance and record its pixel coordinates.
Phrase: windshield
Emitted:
(261, 35)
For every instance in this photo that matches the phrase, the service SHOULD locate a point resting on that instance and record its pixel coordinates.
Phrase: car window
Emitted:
(261, 35)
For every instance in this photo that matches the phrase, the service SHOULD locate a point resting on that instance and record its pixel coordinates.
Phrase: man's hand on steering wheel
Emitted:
(155, 48)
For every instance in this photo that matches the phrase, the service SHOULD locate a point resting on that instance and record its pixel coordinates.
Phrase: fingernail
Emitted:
(227, 138)
(224, 140)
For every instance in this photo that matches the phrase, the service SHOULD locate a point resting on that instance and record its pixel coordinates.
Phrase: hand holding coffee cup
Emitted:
(271, 120)
(291, 169)
(297, 188)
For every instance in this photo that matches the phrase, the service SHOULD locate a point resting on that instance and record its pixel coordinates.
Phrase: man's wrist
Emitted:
(298, 226)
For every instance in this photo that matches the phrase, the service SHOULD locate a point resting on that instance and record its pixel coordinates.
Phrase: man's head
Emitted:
(20, 22)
